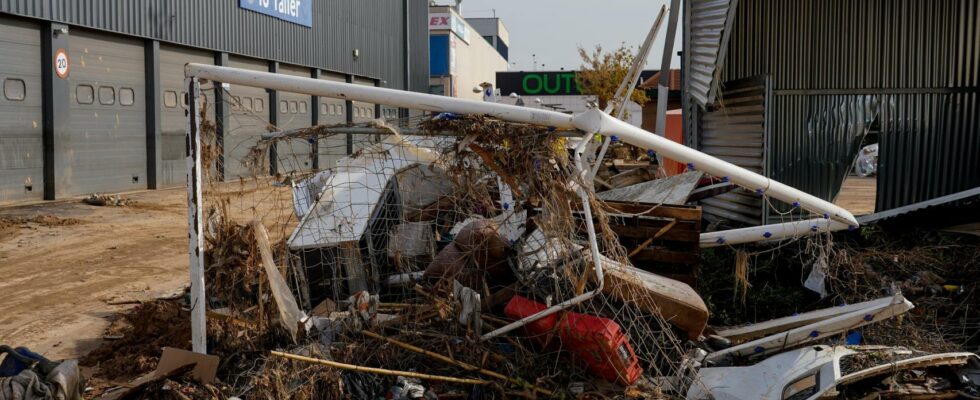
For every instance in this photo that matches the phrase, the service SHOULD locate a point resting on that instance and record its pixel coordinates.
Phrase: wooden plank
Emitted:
(631, 177)
(643, 232)
(672, 190)
(666, 211)
(710, 191)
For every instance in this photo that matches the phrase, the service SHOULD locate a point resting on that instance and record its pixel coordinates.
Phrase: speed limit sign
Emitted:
(61, 63)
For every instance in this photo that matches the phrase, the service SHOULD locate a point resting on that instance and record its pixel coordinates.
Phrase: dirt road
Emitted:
(62, 263)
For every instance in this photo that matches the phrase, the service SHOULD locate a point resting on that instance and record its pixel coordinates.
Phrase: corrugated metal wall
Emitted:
(419, 39)
(707, 20)
(907, 69)
(374, 27)
(736, 131)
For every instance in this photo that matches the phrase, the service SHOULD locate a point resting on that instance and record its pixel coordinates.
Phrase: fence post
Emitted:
(195, 222)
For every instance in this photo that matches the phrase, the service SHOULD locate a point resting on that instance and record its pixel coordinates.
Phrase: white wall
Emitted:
(476, 62)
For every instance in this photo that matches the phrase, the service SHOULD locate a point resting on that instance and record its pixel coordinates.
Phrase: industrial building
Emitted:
(792, 89)
(93, 97)
(463, 56)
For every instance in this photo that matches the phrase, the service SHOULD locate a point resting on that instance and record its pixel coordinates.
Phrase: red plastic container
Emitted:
(597, 341)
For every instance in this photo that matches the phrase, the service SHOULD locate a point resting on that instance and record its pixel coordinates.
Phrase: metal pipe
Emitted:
(595, 121)
(377, 95)
(640, 62)
(591, 121)
(629, 84)
(366, 130)
(195, 220)
(787, 230)
(629, 81)
(664, 84)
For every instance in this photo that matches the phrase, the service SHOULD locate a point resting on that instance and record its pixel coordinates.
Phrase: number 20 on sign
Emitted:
(61, 63)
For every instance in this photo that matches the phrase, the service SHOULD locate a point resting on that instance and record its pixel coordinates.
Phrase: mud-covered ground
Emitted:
(63, 265)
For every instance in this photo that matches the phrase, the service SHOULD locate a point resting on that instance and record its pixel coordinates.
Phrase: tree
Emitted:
(602, 72)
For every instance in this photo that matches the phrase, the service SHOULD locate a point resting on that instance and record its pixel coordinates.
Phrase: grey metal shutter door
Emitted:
(21, 154)
(249, 119)
(294, 113)
(363, 113)
(173, 122)
(332, 112)
(734, 129)
(107, 149)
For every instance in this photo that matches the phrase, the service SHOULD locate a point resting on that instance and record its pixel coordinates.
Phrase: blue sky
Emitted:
(554, 29)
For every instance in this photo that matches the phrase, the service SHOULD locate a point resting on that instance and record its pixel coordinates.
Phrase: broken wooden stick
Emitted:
(379, 371)
(468, 367)
(659, 233)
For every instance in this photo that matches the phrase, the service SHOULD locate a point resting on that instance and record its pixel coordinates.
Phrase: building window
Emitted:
(437, 89)
(127, 96)
(502, 49)
(259, 105)
(247, 103)
(14, 89)
(84, 94)
(107, 95)
(303, 107)
(170, 99)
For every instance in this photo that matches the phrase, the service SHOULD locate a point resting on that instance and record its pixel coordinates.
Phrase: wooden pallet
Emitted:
(662, 239)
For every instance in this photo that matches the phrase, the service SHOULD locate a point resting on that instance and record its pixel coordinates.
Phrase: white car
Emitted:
(760, 367)
(821, 371)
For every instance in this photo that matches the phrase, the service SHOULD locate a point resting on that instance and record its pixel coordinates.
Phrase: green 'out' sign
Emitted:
(545, 83)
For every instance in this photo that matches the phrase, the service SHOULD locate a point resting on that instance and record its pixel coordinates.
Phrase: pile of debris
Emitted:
(480, 266)
(106, 200)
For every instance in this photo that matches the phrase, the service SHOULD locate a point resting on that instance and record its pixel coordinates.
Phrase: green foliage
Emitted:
(602, 72)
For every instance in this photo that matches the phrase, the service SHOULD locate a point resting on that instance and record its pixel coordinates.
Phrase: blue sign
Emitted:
(295, 11)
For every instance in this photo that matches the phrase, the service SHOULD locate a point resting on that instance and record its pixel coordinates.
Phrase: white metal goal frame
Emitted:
(590, 122)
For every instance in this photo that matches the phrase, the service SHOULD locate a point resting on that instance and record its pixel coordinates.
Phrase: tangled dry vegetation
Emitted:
(936, 271)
